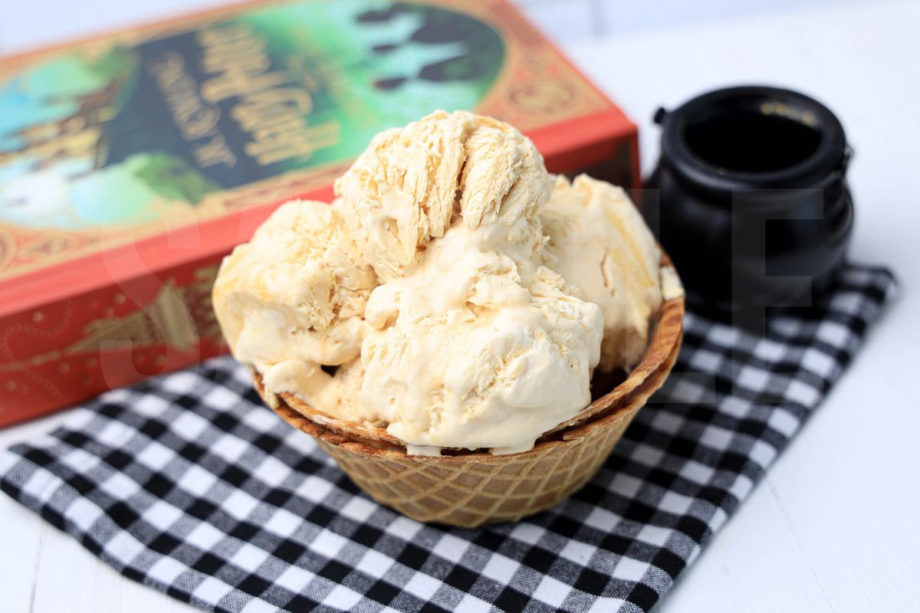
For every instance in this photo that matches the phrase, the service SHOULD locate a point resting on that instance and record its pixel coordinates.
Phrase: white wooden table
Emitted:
(833, 527)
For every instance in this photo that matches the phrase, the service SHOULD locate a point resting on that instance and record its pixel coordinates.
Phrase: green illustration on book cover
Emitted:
(124, 136)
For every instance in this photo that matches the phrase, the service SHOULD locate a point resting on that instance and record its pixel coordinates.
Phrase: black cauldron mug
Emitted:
(752, 200)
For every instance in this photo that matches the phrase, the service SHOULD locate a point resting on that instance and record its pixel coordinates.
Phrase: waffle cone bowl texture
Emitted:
(470, 488)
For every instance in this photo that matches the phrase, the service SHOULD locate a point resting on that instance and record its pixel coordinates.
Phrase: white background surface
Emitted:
(833, 527)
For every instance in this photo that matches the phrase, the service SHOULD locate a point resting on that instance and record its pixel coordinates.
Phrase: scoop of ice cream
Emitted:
(296, 292)
(600, 244)
(464, 354)
(411, 183)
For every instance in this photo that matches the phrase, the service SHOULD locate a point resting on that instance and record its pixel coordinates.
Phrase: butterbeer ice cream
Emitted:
(600, 244)
(451, 294)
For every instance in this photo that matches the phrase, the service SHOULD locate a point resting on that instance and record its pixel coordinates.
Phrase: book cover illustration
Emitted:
(106, 141)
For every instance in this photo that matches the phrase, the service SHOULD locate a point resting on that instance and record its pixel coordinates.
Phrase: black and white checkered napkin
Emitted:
(188, 484)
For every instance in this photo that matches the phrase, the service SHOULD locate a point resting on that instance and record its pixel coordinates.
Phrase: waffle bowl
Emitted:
(469, 488)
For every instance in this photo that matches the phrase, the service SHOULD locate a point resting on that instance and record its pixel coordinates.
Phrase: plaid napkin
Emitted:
(188, 484)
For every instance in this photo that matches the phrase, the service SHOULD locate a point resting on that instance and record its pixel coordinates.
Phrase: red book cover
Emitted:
(130, 163)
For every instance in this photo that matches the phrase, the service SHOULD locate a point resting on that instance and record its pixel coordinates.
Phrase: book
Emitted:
(132, 162)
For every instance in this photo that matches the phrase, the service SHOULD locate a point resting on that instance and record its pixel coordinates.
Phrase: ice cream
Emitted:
(600, 244)
(293, 298)
(450, 294)
(411, 184)
(468, 354)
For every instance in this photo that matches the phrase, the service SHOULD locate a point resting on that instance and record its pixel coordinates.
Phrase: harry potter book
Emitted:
(130, 163)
